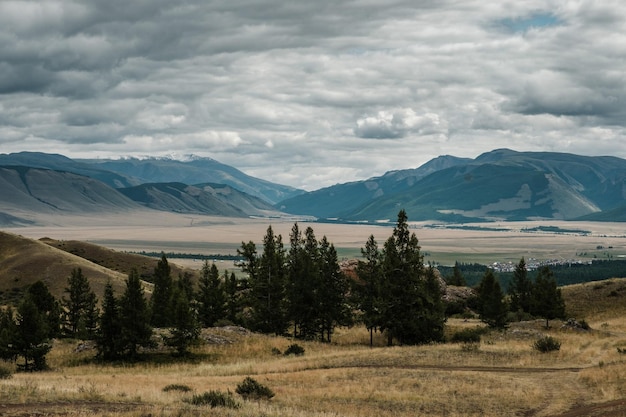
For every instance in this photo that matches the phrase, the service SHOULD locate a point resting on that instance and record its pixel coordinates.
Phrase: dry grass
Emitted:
(503, 376)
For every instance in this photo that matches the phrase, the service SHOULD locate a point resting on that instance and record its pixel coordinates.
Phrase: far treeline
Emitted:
(300, 292)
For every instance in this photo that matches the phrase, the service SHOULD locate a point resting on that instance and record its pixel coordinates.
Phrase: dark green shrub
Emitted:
(621, 350)
(5, 372)
(251, 389)
(214, 399)
(547, 344)
(467, 335)
(176, 387)
(294, 349)
(276, 351)
(584, 325)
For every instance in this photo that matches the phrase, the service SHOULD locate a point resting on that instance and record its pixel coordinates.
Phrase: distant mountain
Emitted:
(340, 200)
(212, 199)
(56, 192)
(498, 185)
(62, 163)
(194, 171)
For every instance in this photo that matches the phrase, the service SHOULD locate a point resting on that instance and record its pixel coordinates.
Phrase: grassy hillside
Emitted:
(24, 261)
(600, 300)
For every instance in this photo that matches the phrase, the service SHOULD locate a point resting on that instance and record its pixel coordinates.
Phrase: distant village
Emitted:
(533, 264)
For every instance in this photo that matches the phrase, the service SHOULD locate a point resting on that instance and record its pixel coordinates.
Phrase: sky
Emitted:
(312, 93)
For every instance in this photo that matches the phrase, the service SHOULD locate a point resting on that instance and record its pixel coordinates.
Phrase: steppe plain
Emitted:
(501, 376)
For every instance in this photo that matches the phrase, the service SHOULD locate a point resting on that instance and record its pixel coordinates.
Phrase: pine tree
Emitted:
(211, 297)
(48, 306)
(520, 289)
(546, 300)
(80, 300)
(31, 337)
(8, 331)
(457, 277)
(332, 293)
(186, 327)
(108, 341)
(233, 299)
(405, 306)
(134, 318)
(161, 301)
(367, 291)
(493, 309)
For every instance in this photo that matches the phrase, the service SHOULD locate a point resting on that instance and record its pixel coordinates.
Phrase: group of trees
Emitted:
(526, 298)
(299, 291)
(303, 287)
(396, 293)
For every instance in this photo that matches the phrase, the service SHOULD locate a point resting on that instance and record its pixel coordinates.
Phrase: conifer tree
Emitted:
(134, 318)
(108, 341)
(233, 300)
(8, 331)
(457, 277)
(332, 293)
(47, 305)
(161, 301)
(405, 313)
(366, 291)
(520, 289)
(493, 309)
(547, 301)
(211, 297)
(31, 339)
(81, 300)
(186, 327)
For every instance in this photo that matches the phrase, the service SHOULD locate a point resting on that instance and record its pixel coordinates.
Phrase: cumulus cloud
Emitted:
(284, 90)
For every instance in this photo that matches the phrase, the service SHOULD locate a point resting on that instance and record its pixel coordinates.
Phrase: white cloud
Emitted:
(295, 92)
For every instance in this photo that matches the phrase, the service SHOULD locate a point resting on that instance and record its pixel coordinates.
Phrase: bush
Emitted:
(467, 335)
(251, 389)
(214, 399)
(5, 372)
(294, 349)
(276, 351)
(547, 344)
(176, 387)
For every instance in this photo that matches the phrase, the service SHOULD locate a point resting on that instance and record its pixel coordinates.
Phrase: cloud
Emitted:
(397, 124)
(285, 90)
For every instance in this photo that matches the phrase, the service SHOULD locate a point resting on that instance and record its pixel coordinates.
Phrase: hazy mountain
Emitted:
(498, 185)
(62, 163)
(195, 170)
(57, 192)
(212, 199)
(340, 200)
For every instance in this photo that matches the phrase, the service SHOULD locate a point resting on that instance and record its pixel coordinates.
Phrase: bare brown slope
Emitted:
(113, 260)
(24, 261)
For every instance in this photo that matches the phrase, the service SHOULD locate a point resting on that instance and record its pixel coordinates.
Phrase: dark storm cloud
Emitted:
(346, 90)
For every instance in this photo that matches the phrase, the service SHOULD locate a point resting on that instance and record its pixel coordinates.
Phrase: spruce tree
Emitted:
(8, 331)
(406, 314)
(366, 291)
(161, 301)
(520, 289)
(493, 309)
(211, 297)
(31, 339)
(134, 318)
(233, 307)
(332, 293)
(48, 306)
(186, 327)
(547, 301)
(81, 300)
(108, 340)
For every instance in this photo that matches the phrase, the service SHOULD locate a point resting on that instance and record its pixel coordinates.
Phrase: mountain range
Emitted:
(496, 186)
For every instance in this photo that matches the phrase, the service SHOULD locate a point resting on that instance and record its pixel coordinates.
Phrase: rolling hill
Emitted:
(498, 185)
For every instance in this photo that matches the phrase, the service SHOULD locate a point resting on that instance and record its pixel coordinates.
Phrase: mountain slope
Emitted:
(195, 171)
(340, 200)
(212, 199)
(57, 162)
(498, 185)
(47, 191)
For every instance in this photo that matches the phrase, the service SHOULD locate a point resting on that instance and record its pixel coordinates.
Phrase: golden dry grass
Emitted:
(504, 376)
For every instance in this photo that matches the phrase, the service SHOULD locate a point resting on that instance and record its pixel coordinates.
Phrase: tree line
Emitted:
(299, 291)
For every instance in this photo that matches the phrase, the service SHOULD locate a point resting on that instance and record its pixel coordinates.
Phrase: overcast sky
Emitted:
(312, 93)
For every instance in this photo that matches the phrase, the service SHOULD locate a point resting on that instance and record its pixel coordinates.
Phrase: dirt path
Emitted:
(616, 408)
(65, 408)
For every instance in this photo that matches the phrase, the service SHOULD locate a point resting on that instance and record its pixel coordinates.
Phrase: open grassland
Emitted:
(502, 376)
(482, 243)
